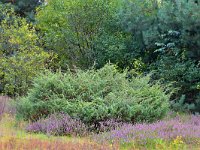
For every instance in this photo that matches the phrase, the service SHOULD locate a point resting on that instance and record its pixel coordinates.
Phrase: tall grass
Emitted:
(3, 100)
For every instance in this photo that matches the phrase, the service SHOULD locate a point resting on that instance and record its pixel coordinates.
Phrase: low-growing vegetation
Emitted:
(35, 144)
(58, 124)
(125, 136)
(186, 128)
(99, 74)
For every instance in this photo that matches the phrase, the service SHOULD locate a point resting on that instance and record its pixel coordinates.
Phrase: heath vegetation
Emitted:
(99, 74)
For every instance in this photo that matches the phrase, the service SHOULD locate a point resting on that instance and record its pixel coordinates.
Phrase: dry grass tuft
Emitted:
(13, 143)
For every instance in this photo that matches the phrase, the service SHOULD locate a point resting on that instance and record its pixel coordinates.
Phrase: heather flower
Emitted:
(166, 129)
(58, 124)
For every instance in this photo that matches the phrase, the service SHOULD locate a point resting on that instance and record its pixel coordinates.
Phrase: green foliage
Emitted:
(25, 8)
(4, 9)
(181, 106)
(173, 65)
(148, 20)
(82, 32)
(94, 96)
(184, 75)
(138, 35)
(166, 35)
(184, 17)
(20, 56)
(140, 19)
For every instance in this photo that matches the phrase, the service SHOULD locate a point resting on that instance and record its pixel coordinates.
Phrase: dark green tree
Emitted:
(167, 36)
(25, 8)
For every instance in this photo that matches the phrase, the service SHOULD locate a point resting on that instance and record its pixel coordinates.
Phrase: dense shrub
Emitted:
(58, 124)
(94, 96)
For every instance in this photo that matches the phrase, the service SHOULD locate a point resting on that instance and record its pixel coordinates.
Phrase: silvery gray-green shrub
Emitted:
(95, 95)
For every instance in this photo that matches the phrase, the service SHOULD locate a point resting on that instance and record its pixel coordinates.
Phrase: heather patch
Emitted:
(186, 128)
(58, 124)
(14, 137)
(63, 124)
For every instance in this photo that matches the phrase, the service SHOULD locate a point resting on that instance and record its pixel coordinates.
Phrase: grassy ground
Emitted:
(13, 137)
